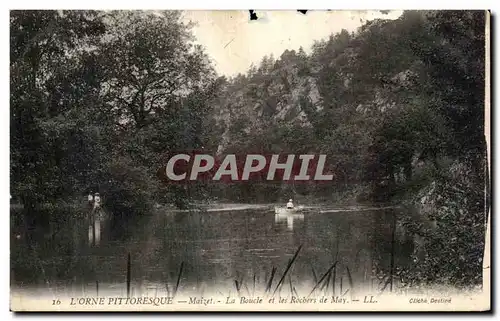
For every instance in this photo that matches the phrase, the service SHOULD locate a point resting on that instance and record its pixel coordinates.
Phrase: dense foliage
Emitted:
(100, 99)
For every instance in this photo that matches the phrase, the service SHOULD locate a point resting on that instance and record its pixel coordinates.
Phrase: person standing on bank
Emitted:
(97, 201)
(90, 199)
(289, 205)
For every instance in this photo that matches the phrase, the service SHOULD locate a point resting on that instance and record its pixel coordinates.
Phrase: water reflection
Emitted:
(95, 232)
(213, 247)
(288, 218)
(94, 228)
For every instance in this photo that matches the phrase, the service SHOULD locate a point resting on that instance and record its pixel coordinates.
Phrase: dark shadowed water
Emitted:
(215, 248)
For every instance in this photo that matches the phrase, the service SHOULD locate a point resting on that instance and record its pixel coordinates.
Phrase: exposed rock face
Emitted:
(453, 196)
(451, 213)
(265, 99)
(303, 90)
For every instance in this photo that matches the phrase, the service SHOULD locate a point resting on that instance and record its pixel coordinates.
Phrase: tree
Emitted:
(52, 82)
(152, 64)
(452, 46)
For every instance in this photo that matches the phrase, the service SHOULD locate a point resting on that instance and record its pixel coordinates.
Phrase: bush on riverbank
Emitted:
(127, 189)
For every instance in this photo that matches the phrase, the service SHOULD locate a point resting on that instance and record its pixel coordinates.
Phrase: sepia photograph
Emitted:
(247, 160)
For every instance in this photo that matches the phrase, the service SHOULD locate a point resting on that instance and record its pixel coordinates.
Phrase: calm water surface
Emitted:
(214, 249)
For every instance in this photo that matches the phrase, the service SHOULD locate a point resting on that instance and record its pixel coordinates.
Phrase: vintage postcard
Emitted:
(300, 160)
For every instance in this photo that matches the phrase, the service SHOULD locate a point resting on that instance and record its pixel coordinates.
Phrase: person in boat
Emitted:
(289, 205)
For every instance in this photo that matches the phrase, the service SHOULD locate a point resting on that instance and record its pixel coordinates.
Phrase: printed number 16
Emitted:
(56, 302)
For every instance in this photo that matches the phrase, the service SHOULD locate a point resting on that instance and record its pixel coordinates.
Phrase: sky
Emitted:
(234, 42)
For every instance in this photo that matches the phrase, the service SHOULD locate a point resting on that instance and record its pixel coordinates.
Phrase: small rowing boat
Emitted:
(284, 210)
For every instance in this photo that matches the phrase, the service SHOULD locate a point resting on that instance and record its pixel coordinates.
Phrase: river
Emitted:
(230, 248)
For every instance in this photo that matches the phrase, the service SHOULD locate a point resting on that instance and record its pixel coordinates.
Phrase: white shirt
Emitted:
(289, 205)
(90, 197)
(97, 199)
